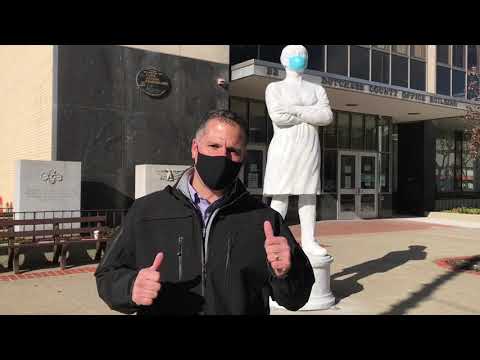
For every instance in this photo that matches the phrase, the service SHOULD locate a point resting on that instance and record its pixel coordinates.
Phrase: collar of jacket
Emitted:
(233, 192)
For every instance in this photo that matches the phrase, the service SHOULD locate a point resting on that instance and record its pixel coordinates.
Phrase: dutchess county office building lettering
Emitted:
(397, 144)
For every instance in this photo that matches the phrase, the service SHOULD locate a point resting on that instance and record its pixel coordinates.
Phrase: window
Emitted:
(316, 57)
(458, 83)
(240, 107)
(257, 122)
(457, 179)
(400, 49)
(253, 169)
(445, 148)
(255, 114)
(405, 66)
(458, 56)
(417, 74)
(337, 59)
(380, 67)
(451, 80)
(330, 171)
(383, 134)
(418, 51)
(241, 53)
(456, 170)
(370, 133)
(468, 167)
(382, 47)
(472, 56)
(473, 79)
(359, 62)
(394, 158)
(399, 71)
(330, 133)
(443, 54)
(385, 173)
(343, 130)
(271, 52)
(443, 80)
(357, 132)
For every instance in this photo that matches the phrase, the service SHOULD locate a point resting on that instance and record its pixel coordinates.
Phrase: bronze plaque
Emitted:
(154, 83)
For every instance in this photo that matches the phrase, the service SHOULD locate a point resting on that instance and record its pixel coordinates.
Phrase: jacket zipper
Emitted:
(227, 263)
(205, 240)
(204, 267)
(179, 254)
(205, 237)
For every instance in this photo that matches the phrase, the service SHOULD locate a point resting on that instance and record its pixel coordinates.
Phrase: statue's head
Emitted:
(294, 58)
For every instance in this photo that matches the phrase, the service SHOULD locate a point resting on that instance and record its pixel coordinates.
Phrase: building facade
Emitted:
(85, 103)
(397, 143)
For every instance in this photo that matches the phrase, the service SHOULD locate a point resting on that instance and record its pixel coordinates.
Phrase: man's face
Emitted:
(220, 138)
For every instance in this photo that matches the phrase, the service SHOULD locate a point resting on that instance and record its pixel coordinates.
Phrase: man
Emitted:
(205, 246)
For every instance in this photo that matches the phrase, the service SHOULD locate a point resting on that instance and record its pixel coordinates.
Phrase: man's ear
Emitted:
(194, 150)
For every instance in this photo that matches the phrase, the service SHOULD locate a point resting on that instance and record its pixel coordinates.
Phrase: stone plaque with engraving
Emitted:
(151, 178)
(47, 186)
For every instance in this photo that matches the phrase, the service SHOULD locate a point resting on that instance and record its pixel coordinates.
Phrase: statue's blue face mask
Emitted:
(297, 63)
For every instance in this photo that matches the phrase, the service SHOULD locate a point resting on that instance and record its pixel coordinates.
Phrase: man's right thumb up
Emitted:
(157, 262)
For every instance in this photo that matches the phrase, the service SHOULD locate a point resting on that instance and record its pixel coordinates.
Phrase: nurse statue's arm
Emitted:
(319, 114)
(278, 112)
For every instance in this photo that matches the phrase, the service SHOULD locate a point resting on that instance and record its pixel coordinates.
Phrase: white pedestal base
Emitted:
(321, 297)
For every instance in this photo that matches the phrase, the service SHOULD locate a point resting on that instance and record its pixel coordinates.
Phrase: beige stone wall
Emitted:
(26, 100)
(431, 69)
(214, 53)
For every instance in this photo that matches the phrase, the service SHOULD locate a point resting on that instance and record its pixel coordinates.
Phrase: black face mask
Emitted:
(217, 172)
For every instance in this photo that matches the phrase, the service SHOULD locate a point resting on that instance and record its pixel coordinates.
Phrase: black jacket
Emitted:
(231, 277)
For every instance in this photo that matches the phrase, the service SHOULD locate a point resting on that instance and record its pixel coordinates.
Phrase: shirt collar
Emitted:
(193, 193)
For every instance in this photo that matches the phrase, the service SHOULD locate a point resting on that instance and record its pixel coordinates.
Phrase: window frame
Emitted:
(451, 68)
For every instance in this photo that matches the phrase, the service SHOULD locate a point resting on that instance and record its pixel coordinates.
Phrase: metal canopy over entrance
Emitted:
(250, 78)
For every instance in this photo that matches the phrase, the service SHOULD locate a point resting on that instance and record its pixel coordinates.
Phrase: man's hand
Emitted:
(147, 284)
(278, 251)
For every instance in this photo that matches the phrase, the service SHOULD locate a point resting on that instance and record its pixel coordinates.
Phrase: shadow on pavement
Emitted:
(427, 290)
(343, 288)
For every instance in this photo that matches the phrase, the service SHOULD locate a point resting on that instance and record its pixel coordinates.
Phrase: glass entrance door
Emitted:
(357, 186)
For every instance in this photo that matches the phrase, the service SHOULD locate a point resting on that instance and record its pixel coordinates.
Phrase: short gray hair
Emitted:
(224, 115)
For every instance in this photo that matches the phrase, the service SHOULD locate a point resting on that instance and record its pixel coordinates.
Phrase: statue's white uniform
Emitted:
(296, 107)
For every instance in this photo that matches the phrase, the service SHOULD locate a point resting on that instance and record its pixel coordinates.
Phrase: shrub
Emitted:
(464, 210)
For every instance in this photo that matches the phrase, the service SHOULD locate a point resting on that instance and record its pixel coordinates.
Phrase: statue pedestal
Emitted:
(321, 297)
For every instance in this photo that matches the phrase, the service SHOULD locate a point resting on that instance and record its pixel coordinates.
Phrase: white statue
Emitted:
(297, 108)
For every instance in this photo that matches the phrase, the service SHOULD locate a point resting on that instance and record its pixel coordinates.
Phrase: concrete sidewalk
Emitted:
(375, 272)
(380, 267)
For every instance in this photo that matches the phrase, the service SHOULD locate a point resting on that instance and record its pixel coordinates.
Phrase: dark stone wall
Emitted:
(107, 123)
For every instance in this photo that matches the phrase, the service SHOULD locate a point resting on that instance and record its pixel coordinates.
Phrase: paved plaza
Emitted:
(381, 266)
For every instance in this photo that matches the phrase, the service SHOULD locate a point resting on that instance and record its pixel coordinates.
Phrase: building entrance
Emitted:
(357, 185)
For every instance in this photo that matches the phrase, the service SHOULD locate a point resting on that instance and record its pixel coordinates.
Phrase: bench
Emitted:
(19, 234)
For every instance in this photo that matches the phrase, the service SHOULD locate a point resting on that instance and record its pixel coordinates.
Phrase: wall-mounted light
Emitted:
(222, 83)
(414, 113)
(351, 105)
